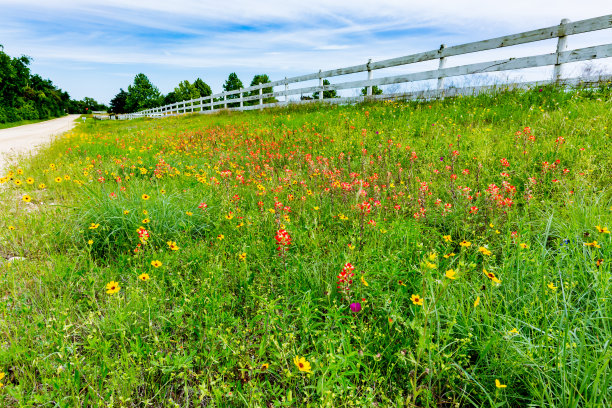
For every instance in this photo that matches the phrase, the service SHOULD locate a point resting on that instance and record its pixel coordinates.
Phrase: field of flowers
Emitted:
(451, 253)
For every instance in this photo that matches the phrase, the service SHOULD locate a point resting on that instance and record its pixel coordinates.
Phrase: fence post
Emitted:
(561, 46)
(224, 100)
(286, 89)
(369, 89)
(320, 84)
(212, 103)
(441, 65)
(260, 98)
(241, 101)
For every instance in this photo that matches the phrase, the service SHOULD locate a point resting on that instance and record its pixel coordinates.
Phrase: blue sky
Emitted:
(93, 48)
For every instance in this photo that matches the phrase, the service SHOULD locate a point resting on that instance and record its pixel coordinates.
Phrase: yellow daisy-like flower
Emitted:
(172, 245)
(465, 243)
(552, 286)
(242, 256)
(364, 282)
(66, 177)
(112, 287)
(498, 384)
(146, 221)
(1, 378)
(484, 251)
(433, 256)
(513, 331)
(451, 274)
(189, 213)
(603, 230)
(447, 238)
(26, 198)
(592, 244)
(302, 364)
(491, 276)
(449, 255)
(11, 228)
(42, 186)
(417, 300)
(229, 216)
(145, 197)
(126, 212)
(18, 182)
(156, 264)
(93, 226)
(58, 179)
(523, 245)
(90, 241)
(30, 180)
(144, 277)
(220, 237)
(265, 366)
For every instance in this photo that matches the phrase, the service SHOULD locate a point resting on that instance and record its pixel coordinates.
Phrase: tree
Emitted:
(202, 87)
(170, 98)
(117, 104)
(326, 94)
(185, 91)
(232, 84)
(142, 94)
(375, 90)
(261, 79)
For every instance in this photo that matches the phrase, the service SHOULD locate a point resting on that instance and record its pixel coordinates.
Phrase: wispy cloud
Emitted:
(93, 48)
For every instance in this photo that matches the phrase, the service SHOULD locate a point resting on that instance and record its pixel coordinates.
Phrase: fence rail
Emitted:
(235, 100)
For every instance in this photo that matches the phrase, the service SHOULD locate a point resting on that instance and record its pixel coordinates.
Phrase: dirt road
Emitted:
(26, 138)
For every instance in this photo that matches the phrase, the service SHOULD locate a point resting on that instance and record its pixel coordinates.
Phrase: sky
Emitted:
(93, 48)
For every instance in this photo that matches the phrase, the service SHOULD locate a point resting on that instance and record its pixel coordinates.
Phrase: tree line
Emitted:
(142, 94)
(27, 96)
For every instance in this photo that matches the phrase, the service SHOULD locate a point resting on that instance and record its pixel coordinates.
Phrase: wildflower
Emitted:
(1, 377)
(30, 180)
(417, 300)
(473, 210)
(432, 256)
(302, 364)
(552, 286)
(465, 243)
(283, 239)
(126, 212)
(58, 179)
(484, 251)
(242, 256)
(265, 366)
(156, 264)
(603, 230)
(592, 244)
(220, 237)
(229, 216)
(172, 245)
(401, 283)
(112, 287)
(203, 206)
(447, 238)
(450, 274)
(144, 277)
(449, 255)
(477, 301)
(355, 307)
(351, 246)
(42, 186)
(11, 228)
(145, 197)
(497, 383)
(90, 242)
(189, 213)
(599, 262)
(18, 182)
(146, 221)
(93, 226)
(345, 278)
(26, 198)
(430, 265)
(523, 245)
(513, 331)
(491, 276)
(364, 282)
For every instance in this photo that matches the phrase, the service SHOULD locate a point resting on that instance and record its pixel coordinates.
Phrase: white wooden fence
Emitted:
(235, 100)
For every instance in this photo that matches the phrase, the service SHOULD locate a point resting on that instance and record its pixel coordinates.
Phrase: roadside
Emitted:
(22, 139)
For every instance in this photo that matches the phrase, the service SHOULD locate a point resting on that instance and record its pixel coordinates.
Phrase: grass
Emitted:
(449, 253)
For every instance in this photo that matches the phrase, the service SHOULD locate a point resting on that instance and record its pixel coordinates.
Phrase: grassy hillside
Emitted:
(452, 253)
